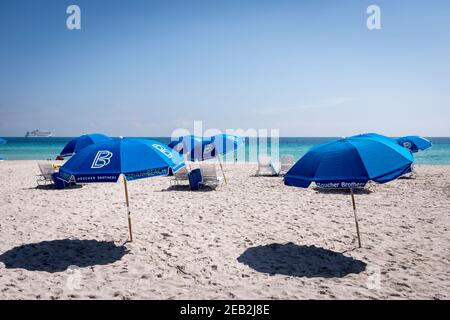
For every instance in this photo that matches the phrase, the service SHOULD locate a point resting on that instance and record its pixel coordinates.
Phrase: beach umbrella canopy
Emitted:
(204, 148)
(224, 143)
(132, 158)
(192, 146)
(414, 143)
(75, 145)
(350, 163)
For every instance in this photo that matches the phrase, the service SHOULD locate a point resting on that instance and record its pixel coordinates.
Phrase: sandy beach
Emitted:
(255, 238)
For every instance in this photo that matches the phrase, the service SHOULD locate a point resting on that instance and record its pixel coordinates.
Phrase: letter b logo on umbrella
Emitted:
(102, 159)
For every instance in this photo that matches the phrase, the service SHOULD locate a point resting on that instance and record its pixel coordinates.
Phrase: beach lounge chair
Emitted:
(266, 167)
(47, 169)
(209, 176)
(180, 177)
(287, 162)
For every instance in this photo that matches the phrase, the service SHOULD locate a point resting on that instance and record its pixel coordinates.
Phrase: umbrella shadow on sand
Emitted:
(59, 255)
(300, 261)
(187, 188)
(52, 187)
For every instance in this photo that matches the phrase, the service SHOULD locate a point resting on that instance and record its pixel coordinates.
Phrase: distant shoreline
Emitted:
(252, 163)
(168, 137)
(21, 148)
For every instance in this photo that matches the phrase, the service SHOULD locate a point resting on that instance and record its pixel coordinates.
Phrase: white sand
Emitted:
(253, 239)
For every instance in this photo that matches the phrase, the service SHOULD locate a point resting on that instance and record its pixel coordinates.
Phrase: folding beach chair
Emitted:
(287, 162)
(412, 174)
(209, 176)
(180, 177)
(47, 169)
(266, 167)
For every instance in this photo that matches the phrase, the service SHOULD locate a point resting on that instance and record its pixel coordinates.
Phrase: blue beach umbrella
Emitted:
(414, 143)
(204, 148)
(225, 143)
(350, 163)
(192, 146)
(75, 145)
(132, 158)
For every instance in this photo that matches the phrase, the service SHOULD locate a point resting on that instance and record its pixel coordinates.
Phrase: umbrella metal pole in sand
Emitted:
(128, 207)
(221, 168)
(356, 219)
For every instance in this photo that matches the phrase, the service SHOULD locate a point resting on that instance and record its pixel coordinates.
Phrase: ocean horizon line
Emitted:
(41, 148)
(151, 136)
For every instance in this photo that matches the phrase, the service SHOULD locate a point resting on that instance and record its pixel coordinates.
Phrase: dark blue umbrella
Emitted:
(350, 163)
(192, 146)
(133, 158)
(75, 145)
(225, 143)
(414, 143)
(204, 148)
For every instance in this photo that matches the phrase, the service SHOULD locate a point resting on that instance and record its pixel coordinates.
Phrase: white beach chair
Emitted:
(287, 162)
(180, 177)
(209, 176)
(412, 174)
(47, 169)
(266, 167)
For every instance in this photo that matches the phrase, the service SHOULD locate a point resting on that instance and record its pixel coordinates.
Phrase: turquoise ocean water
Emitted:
(48, 148)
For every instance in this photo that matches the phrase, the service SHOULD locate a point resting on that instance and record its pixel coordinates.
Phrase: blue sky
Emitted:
(145, 68)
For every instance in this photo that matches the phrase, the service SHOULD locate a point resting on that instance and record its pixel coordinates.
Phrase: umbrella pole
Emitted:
(128, 208)
(356, 219)
(221, 168)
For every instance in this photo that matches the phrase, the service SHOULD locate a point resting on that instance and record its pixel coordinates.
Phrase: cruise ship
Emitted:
(38, 134)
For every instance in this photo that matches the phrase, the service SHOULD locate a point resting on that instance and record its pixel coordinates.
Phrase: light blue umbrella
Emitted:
(414, 143)
(132, 158)
(75, 145)
(350, 163)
